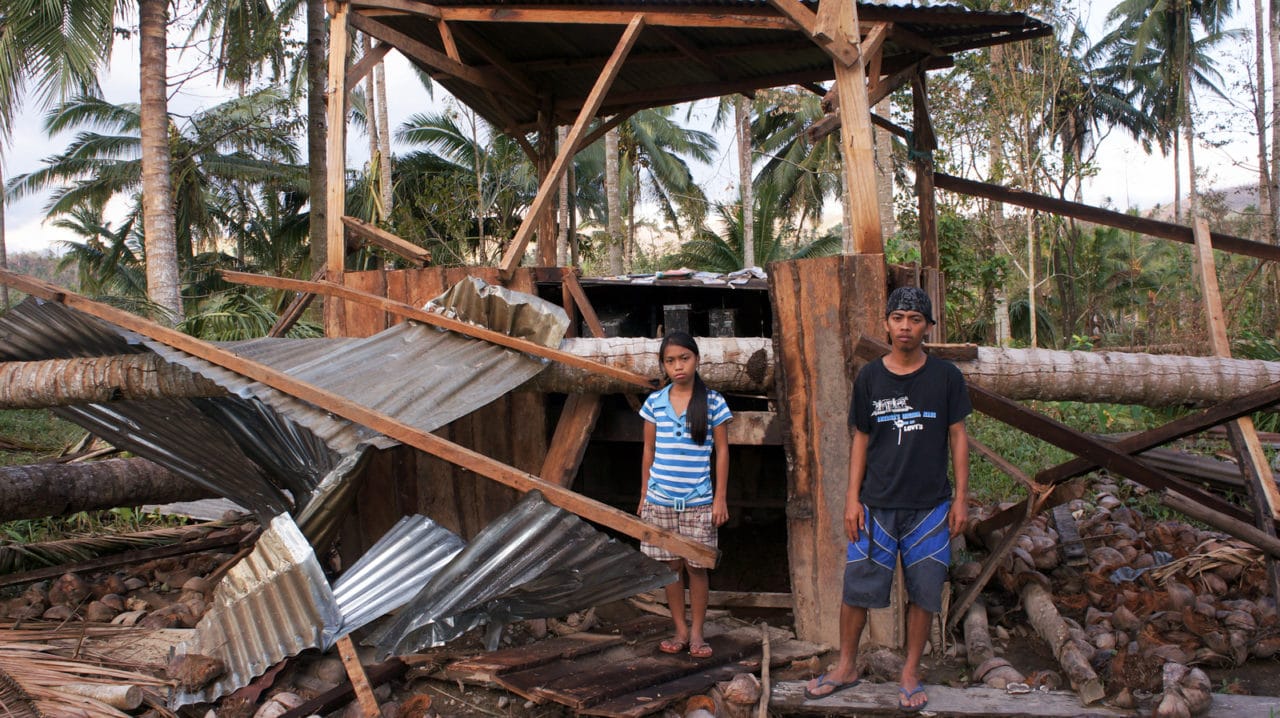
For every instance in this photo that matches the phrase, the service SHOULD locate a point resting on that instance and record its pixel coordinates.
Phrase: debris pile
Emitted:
(1147, 600)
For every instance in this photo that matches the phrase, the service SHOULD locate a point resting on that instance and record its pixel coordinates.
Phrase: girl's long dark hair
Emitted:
(697, 410)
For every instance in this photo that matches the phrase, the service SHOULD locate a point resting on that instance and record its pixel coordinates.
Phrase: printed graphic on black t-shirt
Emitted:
(907, 417)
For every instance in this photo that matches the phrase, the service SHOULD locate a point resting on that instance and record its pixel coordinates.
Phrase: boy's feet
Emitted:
(827, 684)
(912, 701)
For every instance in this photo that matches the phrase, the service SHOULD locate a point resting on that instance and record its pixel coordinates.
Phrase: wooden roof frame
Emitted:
(482, 52)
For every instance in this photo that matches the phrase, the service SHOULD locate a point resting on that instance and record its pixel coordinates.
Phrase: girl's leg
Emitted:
(698, 594)
(675, 601)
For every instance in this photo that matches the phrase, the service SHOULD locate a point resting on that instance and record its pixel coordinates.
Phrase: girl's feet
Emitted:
(673, 645)
(700, 649)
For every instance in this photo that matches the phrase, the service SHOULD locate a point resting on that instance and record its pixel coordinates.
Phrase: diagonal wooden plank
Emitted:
(341, 406)
(569, 443)
(550, 182)
(382, 238)
(434, 58)
(362, 68)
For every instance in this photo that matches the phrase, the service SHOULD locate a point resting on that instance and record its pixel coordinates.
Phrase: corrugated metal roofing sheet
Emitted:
(274, 604)
(394, 570)
(534, 561)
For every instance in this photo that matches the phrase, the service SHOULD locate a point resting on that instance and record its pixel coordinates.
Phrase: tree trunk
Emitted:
(1267, 228)
(384, 138)
(742, 122)
(4, 255)
(613, 197)
(163, 281)
(884, 171)
(28, 492)
(741, 364)
(1044, 616)
(316, 77)
(1273, 43)
(372, 131)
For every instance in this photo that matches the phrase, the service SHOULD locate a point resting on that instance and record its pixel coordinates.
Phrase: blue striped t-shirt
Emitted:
(681, 471)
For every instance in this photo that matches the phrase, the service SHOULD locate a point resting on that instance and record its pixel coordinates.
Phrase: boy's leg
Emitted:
(917, 634)
(852, 621)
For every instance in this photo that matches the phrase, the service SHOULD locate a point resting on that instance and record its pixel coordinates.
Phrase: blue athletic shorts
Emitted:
(923, 540)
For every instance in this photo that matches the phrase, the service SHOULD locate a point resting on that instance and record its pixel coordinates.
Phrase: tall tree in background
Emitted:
(1177, 35)
(164, 287)
(613, 198)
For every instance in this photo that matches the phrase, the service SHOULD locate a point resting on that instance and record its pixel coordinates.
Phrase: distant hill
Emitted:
(1239, 201)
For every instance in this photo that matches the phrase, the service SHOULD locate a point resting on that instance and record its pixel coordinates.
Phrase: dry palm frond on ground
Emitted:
(38, 678)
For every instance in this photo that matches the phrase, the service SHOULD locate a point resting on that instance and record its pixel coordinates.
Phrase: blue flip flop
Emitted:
(907, 695)
(837, 687)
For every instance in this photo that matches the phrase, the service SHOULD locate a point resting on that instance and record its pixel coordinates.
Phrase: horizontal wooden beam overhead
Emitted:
(386, 425)
(406, 311)
(748, 428)
(737, 19)
(407, 7)
(1107, 217)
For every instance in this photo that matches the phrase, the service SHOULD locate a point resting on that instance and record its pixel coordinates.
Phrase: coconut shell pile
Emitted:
(1155, 600)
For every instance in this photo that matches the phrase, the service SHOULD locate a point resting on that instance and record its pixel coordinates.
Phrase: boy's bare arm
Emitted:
(854, 521)
(958, 438)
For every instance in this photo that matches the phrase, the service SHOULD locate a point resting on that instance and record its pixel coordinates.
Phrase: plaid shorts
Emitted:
(692, 523)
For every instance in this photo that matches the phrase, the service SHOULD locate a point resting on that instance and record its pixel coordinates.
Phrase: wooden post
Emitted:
(359, 680)
(336, 154)
(923, 145)
(856, 142)
(820, 306)
(1241, 432)
(547, 233)
(581, 411)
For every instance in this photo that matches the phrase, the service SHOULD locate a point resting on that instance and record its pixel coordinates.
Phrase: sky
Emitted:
(1127, 176)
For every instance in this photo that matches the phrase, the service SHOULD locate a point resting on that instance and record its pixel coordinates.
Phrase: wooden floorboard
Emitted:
(875, 699)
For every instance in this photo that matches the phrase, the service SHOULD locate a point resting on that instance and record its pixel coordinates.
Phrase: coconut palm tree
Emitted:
(1166, 45)
(724, 251)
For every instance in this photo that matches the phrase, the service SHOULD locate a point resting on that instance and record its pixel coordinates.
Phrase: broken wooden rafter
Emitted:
(447, 39)
(1106, 217)
(379, 237)
(406, 311)
(431, 57)
(581, 411)
(551, 181)
(294, 311)
(377, 421)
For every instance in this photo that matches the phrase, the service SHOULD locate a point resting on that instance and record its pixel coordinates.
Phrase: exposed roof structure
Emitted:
(505, 59)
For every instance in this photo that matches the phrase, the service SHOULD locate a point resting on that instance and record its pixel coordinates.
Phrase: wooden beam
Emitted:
(446, 39)
(748, 428)
(922, 158)
(1242, 530)
(908, 39)
(340, 406)
(574, 287)
(569, 443)
(817, 28)
(336, 141)
(380, 237)
(1097, 215)
(294, 311)
(407, 311)
(1255, 467)
(718, 54)
(547, 188)
(409, 7)
(591, 137)
(362, 68)
(431, 57)
(739, 19)
(367, 703)
(856, 143)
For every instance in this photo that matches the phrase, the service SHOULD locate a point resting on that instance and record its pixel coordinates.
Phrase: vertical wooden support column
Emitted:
(336, 154)
(923, 144)
(1241, 433)
(547, 233)
(838, 20)
(820, 308)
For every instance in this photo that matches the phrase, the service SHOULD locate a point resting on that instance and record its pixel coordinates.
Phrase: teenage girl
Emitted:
(682, 423)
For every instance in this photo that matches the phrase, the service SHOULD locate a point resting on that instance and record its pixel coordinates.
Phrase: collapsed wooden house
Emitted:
(530, 68)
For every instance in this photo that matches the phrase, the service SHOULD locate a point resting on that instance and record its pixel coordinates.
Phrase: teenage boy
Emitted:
(907, 410)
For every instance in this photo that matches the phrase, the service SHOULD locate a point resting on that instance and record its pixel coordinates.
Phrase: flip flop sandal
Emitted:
(822, 681)
(906, 695)
(701, 650)
(671, 645)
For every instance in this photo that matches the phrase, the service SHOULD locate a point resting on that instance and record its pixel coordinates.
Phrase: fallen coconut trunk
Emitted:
(741, 364)
(1239, 529)
(42, 490)
(1045, 618)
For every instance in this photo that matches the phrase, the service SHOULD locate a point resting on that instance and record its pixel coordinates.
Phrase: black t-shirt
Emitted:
(907, 417)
